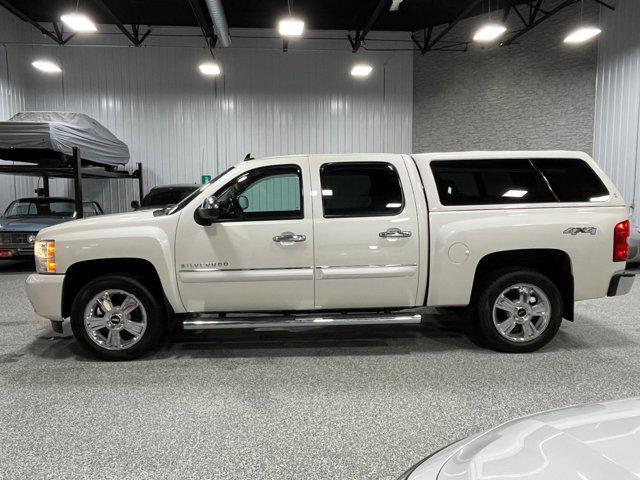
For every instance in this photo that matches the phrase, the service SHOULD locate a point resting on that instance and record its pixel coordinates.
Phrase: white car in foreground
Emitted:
(587, 442)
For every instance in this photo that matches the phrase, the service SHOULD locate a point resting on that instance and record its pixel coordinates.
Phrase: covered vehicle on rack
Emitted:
(48, 138)
(25, 217)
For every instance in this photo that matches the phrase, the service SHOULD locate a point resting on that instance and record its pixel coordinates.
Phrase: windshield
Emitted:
(160, 197)
(37, 207)
(179, 206)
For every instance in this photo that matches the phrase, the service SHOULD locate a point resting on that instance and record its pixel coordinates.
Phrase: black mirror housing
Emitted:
(208, 212)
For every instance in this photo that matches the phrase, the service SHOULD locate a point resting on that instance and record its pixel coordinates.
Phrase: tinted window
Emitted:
(360, 189)
(17, 209)
(160, 197)
(269, 193)
(61, 208)
(485, 182)
(572, 180)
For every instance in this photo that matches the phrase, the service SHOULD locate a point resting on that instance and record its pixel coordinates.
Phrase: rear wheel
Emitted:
(518, 310)
(117, 318)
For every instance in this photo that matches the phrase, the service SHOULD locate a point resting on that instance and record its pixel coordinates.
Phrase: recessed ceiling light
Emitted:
(489, 32)
(209, 68)
(46, 66)
(582, 34)
(291, 27)
(361, 70)
(78, 22)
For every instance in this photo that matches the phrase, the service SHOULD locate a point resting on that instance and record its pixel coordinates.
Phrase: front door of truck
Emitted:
(259, 254)
(365, 232)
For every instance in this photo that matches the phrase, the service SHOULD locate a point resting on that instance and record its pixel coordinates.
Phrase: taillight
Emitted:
(620, 246)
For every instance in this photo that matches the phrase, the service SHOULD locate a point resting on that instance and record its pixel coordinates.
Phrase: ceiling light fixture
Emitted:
(489, 32)
(46, 66)
(291, 27)
(582, 34)
(209, 68)
(79, 22)
(361, 70)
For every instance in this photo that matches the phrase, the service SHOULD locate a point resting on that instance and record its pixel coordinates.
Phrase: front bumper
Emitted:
(621, 283)
(45, 295)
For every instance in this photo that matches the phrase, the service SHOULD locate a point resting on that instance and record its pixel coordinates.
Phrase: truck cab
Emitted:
(515, 237)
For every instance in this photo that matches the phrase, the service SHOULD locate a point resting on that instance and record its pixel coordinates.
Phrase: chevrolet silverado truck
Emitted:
(361, 239)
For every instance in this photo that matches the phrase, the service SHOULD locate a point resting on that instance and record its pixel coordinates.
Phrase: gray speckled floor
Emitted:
(359, 403)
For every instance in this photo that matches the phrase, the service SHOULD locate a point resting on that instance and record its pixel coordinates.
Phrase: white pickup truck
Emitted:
(345, 240)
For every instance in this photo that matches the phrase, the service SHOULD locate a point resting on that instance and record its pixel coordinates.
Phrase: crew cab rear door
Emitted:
(366, 239)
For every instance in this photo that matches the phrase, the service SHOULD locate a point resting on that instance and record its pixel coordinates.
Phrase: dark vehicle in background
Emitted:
(25, 217)
(164, 195)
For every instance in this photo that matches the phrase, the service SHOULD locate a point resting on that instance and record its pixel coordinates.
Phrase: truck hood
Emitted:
(30, 224)
(594, 442)
(117, 220)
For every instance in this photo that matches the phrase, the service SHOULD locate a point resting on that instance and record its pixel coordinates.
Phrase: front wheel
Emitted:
(117, 318)
(519, 310)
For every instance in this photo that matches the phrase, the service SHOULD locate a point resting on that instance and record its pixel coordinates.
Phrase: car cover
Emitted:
(60, 132)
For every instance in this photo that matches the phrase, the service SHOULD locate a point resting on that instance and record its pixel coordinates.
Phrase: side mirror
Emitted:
(208, 212)
(135, 204)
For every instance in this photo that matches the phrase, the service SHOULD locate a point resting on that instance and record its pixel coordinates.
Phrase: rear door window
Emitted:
(487, 182)
(360, 189)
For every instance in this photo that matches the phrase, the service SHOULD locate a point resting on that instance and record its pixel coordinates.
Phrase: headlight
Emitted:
(45, 253)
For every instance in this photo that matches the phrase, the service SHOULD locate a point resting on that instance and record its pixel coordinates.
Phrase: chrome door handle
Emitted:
(395, 233)
(287, 237)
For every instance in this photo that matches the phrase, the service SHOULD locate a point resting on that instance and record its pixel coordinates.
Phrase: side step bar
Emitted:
(299, 321)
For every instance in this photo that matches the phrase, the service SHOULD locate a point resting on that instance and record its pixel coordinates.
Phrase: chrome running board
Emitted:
(299, 321)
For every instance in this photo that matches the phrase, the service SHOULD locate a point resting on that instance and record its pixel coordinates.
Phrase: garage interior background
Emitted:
(535, 94)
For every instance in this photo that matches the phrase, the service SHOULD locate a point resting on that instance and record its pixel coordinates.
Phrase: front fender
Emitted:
(153, 243)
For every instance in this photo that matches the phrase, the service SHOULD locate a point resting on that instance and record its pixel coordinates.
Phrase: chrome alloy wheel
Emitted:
(521, 312)
(115, 319)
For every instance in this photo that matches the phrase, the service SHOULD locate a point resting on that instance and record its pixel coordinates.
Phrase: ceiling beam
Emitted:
(56, 35)
(361, 34)
(463, 14)
(537, 22)
(535, 11)
(133, 36)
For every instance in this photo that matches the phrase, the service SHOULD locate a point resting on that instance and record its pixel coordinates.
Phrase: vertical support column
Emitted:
(45, 184)
(77, 182)
(140, 182)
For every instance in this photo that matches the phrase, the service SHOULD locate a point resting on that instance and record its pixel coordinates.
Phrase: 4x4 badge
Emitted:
(577, 230)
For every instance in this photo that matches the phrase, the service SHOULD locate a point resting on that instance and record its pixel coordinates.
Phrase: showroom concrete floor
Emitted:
(360, 403)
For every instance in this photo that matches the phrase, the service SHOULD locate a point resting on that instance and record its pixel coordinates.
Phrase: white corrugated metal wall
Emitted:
(182, 125)
(617, 123)
(12, 98)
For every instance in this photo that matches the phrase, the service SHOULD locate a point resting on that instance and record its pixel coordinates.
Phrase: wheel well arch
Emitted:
(80, 273)
(555, 264)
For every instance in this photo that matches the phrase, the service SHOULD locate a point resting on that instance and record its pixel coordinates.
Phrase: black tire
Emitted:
(492, 286)
(156, 323)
